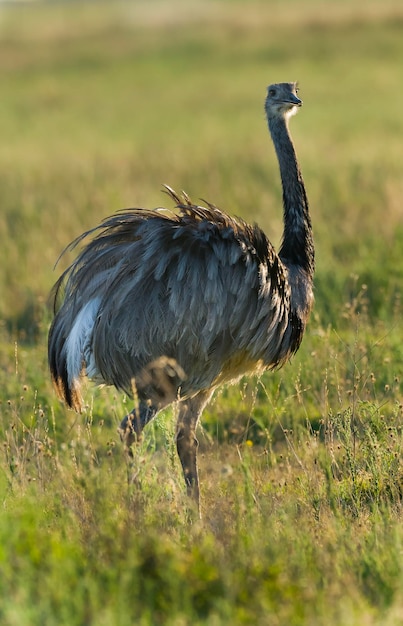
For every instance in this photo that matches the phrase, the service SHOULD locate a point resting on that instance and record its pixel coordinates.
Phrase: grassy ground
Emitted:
(301, 471)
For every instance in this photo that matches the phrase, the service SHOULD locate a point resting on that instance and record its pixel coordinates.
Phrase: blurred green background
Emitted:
(103, 102)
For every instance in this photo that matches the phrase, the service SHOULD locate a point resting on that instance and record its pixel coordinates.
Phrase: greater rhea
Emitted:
(167, 306)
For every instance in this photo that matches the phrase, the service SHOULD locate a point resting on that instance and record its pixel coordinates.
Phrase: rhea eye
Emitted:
(272, 92)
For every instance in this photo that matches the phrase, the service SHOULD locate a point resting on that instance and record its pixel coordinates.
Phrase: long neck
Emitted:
(297, 245)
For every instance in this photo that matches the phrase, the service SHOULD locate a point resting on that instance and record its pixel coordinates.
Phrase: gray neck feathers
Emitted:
(297, 244)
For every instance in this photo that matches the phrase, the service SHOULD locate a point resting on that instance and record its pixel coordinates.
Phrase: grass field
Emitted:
(301, 470)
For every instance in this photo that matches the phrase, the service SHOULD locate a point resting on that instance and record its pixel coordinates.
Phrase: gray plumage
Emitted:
(177, 303)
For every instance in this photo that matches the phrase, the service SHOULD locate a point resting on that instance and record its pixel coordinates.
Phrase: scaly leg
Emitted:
(186, 442)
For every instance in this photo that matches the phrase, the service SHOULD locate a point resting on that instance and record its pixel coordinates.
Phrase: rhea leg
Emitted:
(156, 386)
(186, 442)
(131, 426)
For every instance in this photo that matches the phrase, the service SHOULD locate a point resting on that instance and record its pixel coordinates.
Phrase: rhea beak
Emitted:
(294, 100)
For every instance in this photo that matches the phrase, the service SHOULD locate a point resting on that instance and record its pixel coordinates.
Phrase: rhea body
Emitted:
(175, 304)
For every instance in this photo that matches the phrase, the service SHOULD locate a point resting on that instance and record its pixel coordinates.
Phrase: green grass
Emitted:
(301, 470)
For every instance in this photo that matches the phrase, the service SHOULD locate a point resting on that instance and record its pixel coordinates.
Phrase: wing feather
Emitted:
(198, 286)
